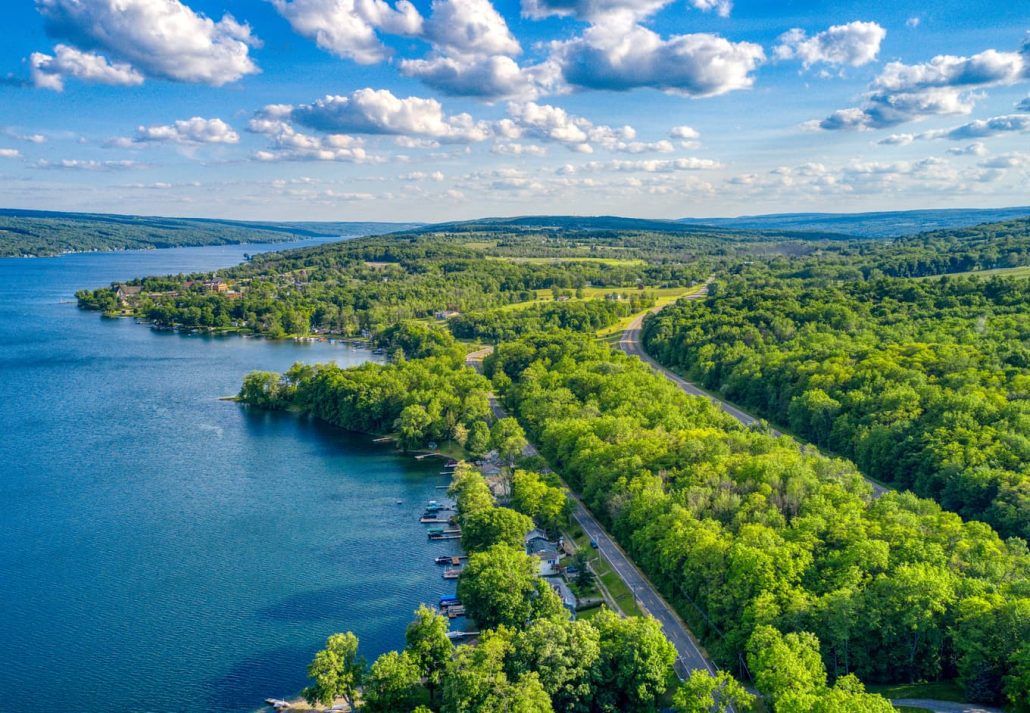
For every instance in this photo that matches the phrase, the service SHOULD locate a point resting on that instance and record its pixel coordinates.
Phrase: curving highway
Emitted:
(630, 343)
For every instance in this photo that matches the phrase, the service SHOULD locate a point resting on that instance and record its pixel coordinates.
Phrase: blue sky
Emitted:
(449, 109)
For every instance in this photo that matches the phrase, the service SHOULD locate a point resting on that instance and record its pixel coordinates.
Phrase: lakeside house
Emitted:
(126, 292)
(547, 553)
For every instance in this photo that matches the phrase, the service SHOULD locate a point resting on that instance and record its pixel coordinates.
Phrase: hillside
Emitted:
(29, 233)
(887, 224)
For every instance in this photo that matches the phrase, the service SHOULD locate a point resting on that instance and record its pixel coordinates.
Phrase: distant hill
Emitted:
(38, 233)
(889, 224)
(611, 223)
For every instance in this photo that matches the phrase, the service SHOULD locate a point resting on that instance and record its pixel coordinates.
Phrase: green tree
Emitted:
(565, 655)
(427, 643)
(635, 663)
(785, 666)
(412, 425)
(393, 684)
(261, 388)
(1017, 681)
(484, 528)
(546, 504)
(478, 442)
(704, 693)
(508, 438)
(336, 670)
(500, 586)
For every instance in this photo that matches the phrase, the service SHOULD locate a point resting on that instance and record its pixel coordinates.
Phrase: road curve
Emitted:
(631, 344)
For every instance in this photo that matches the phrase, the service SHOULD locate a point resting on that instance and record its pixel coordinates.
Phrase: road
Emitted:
(632, 345)
(689, 656)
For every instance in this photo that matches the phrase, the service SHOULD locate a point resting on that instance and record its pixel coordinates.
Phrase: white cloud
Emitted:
(492, 77)
(591, 10)
(685, 132)
(620, 55)
(984, 128)
(517, 149)
(370, 111)
(189, 131)
(913, 22)
(10, 153)
(897, 140)
(1023, 105)
(50, 71)
(1014, 159)
(976, 148)
(469, 27)
(944, 85)
(348, 28)
(288, 144)
(157, 38)
(88, 165)
(653, 165)
(854, 44)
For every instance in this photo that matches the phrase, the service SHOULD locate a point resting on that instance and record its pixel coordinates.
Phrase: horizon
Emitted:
(438, 110)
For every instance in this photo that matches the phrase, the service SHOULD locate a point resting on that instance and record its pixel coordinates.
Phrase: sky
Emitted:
(431, 110)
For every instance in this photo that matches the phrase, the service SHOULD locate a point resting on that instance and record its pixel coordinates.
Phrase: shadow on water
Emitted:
(354, 601)
(259, 677)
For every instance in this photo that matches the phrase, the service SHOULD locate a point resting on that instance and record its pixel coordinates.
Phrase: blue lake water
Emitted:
(160, 549)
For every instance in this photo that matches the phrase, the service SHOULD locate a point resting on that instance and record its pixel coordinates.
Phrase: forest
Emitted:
(30, 233)
(751, 535)
(924, 384)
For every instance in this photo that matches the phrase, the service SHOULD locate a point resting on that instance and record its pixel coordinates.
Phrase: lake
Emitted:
(164, 550)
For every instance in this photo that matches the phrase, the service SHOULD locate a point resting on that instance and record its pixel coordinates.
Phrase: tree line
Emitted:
(759, 542)
(924, 384)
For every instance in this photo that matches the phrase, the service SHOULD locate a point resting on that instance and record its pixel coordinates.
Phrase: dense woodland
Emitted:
(744, 531)
(38, 233)
(498, 325)
(924, 384)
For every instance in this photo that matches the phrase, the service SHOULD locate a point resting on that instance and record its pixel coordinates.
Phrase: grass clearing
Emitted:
(1022, 271)
(610, 261)
(619, 591)
(934, 690)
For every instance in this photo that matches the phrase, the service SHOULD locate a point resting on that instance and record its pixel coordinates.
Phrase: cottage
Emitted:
(125, 292)
(446, 314)
(547, 553)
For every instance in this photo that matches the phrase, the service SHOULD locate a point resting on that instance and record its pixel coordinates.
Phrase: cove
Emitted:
(161, 549)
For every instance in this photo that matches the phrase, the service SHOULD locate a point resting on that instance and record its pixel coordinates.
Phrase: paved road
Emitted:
(631, 344)
(944, 706)
(689, 656)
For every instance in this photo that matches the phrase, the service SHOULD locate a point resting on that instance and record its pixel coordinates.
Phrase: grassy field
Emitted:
(612, 261)
(1023, 271)
(663, 296)
(936, 691)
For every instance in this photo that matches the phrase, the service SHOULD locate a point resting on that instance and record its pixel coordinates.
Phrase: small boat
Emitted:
(443, 559)
(277, 703)
(451, 573)
(400, 502)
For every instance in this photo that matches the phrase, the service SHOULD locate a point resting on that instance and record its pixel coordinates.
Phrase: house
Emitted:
(125, 292)
(446, 314)
(547, 553)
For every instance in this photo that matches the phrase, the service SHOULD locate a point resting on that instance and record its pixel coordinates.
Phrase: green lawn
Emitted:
(620, 593)
(613, 261)
(1022, 271)
(935, 690)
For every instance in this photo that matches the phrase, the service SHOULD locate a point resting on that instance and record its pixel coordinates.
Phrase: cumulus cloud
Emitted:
(10, 153)
(1023, 105)
(88, 165)
(470, 27)
(591, 10)
(349, 28)
(189, 131)
(944, 85)
(617, 55)
(983, 128)
(288, 144)
(370, 111)
(976, 148)
(1014, 159)
(154, 38)
(854, 44)
(50, 71)
(517, 149)
(492, 77)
